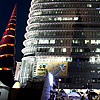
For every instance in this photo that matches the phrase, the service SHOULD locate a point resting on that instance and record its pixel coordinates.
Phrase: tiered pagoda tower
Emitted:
(7, 51)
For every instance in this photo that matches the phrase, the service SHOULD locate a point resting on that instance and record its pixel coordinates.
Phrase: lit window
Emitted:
(75, 18)
(97, 50)
(86, 41)
(37, 13)
(94, 59)
(56, 12)
(97, 41)
(92, 71)
(94, 80)
(64, 49)
(34, 42)
(61, 41)
(89, 5)
(52, 41)
(51, 50)
(99, 12)
(67, 18)
(50, 18)
(55, 19)
(40, 41)
(46, 41)
(92, 41)
(43, 41)
(98, 71)
(81, 50)
(76, 41)
(59, 18)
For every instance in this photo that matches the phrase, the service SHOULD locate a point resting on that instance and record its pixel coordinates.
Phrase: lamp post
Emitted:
(59, 80)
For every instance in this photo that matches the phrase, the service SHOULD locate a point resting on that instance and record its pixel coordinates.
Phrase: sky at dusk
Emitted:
(6, 8)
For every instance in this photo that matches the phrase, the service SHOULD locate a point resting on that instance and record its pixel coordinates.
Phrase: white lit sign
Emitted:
(51, 79)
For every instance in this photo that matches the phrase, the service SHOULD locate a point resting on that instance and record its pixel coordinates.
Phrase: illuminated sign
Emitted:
(55, 68)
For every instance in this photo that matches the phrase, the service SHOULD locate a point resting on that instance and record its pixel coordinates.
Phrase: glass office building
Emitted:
(64, 31)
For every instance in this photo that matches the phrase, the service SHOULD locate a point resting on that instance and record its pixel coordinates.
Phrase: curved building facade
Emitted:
(64, 31)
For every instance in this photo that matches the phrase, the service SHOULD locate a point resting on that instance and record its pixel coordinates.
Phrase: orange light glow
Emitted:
(13, 16)
(10, 29)
(5, 69)
(13, 19)
(6, 45)
(6, 55)
(3, 45)
(0, 68)
(8, 36)
(11, 24)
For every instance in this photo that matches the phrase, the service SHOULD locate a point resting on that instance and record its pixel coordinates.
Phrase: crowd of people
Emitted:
(73, 95)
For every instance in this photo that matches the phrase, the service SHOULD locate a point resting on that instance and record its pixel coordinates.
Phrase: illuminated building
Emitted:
(7, 51)
(64, 31)
(18, 64)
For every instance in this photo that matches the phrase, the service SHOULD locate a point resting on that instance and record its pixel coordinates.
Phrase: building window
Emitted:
(50, 19)
(94, 59)
(92, 41)
(59, 18)
(76, 41)
(67, 18)
(99, 12)
(95, 42)
(97, 50)
(51, 50)
(92, 71)
(63, 49)
(75, 18)
(89, 5)
(52, 41)
(87, 41)
(98, 71)
(43, 41)
(61, 41)
(34, 42)
(37, 13)
(69, 59)
(79, 50)
(94, 80)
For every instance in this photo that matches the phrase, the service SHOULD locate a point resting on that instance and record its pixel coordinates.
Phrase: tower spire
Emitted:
(10, 29)
(7, 50)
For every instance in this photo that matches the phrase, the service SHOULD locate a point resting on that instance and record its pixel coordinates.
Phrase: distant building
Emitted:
(63, 37)
(18, 65)
(7, 51)
(4, 91)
